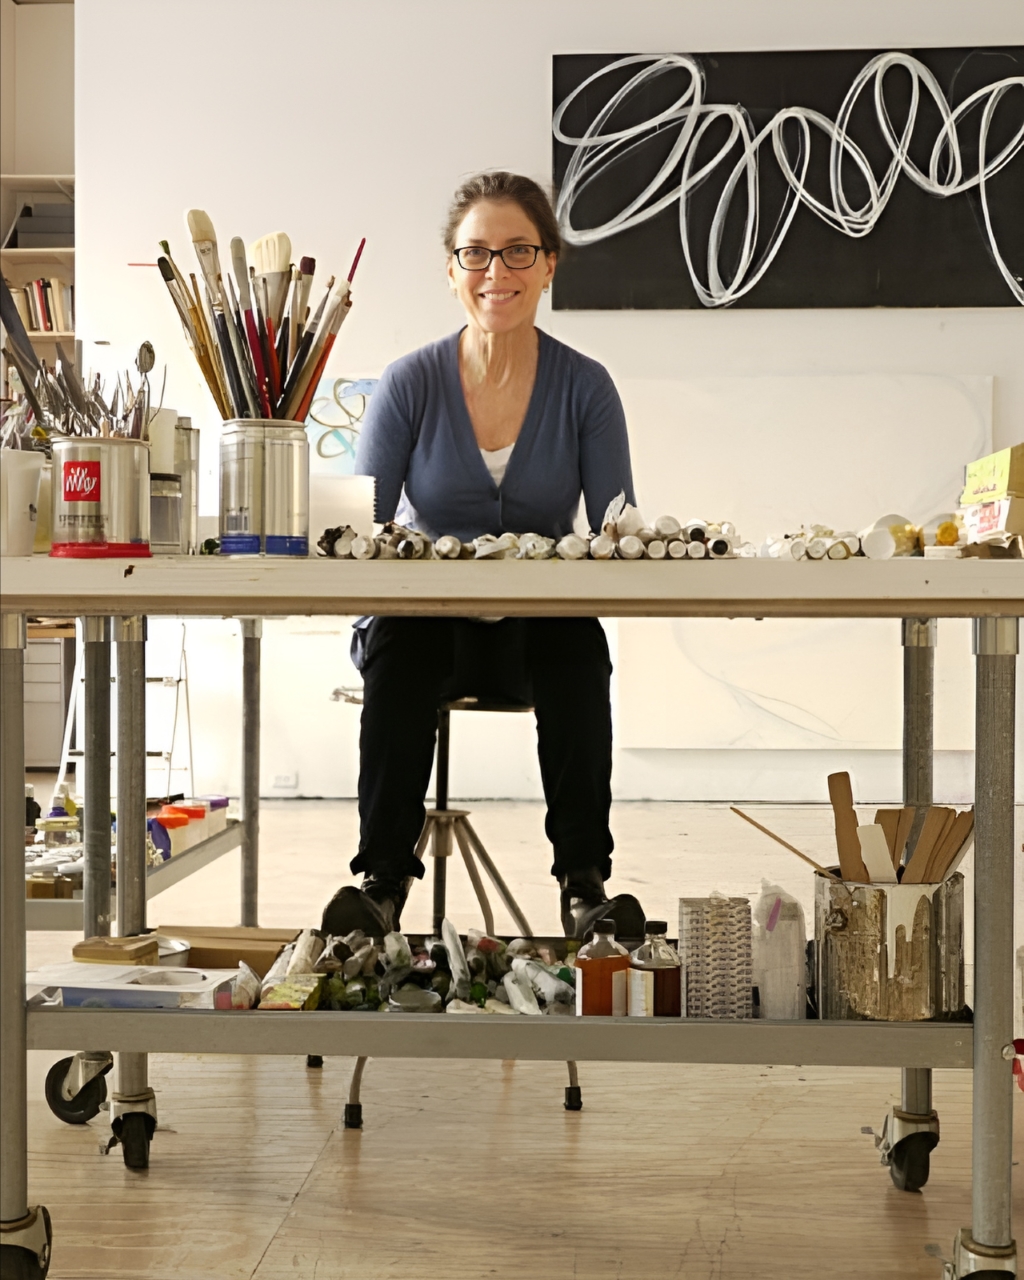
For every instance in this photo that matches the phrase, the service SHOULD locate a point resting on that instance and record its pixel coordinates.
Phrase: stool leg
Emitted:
(441, 839)
(474, 875)
(522, 924)
(573, 1095)
(354, 1108)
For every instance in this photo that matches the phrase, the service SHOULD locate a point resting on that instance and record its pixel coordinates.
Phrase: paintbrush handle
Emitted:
(257, 359)
(230, 367)
(298, 364)
(313, 383)
(779, 840)
(275, 368)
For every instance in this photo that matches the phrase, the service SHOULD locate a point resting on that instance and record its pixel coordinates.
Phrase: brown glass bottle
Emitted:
(602, 974)
(655, 976)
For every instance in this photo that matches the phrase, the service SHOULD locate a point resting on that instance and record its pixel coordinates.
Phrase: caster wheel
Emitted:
(22, 1264)
(910, 1160)
(84, 1106)
(134, 1130)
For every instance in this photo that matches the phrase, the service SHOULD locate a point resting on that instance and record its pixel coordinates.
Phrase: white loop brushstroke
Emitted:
(595, 152)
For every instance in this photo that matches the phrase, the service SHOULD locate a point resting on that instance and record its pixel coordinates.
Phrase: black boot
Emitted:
(585, 901)
(376, 907)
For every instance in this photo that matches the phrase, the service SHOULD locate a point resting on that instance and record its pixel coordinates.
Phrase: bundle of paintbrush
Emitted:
(261, 347)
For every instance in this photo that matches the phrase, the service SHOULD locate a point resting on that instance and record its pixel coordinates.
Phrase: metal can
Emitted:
(165, 512)
(264, 488)
(100, 497)
(186, 464)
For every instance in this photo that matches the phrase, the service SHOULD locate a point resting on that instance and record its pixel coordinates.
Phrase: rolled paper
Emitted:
(719, 546)
(677, 550)
(646, 535)
(878, 544)
(447, 547)
(696, 531)
(817, 549)
(603, 547)
(655, 550)
(364, 548)
(571, 547)
(667, 528)
(631, 548)
(696, 550)
(838, 550)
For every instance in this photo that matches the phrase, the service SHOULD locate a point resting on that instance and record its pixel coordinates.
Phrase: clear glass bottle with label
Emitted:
(655, 975)
(602, 972)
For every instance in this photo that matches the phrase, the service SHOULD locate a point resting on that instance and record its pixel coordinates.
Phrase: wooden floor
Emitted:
(467, 1169)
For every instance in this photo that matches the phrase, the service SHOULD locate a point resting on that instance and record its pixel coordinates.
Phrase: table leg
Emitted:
(133, 1105)
(988, 1245)
(96, 882)
(25, 1234)
(916, 1124)
(252, 632)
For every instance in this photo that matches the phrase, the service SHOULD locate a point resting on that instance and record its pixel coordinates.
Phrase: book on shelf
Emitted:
(46, 306)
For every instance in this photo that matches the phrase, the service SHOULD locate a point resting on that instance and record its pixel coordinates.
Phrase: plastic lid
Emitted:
(170, 819)
(215, 802)
(171, 476)
(604, 926)
(196, 811)
(655, 926)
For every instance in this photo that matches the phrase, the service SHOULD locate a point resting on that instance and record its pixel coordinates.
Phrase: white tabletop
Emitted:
(191, 586)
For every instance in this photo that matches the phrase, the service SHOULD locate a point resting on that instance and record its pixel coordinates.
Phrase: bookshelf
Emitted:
(21, 266)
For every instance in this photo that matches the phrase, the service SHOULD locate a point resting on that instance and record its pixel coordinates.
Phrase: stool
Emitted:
(439, 828)
(443, 823)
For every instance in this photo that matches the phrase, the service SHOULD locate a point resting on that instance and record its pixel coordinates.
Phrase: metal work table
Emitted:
(69, 913)
(991, 592)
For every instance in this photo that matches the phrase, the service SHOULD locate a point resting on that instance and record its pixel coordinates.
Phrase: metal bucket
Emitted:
(165, 512)
(892, 953)
(100, 497)
(264, 488)
(186, 464)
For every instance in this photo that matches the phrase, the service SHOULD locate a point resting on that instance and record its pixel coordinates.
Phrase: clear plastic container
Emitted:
(602, 970)
(655, 975)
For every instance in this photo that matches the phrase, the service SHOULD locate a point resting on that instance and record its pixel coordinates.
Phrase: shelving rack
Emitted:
(990, 592)
(22, 265)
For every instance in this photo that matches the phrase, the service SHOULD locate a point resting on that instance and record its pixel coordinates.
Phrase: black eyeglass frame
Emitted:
(498, 253)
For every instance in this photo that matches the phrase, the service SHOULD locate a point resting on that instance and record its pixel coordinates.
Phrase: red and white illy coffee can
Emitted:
(100, 497)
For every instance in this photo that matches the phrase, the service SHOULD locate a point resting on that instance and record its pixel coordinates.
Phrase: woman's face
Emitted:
(499, 298)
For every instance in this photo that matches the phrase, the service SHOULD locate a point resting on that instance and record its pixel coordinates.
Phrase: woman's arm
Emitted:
(605, 469)
(386, 441)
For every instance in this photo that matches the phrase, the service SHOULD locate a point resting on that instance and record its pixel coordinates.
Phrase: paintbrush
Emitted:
(779, 840)
(271, 255)
(285, 343)
(261, 330)
(300, 306)
(241, 269)
(212, 349)
(241, 345)
(204, 241)
(305, 346)
(182, 300)
(297, 405)
(272, 364)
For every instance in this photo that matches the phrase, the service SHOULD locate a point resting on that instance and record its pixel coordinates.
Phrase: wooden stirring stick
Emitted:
(779, 840)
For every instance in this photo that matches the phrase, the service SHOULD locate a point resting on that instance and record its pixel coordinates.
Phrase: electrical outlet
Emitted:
(286, 781)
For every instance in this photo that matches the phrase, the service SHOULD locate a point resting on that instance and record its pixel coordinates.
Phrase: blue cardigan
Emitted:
(417, 434)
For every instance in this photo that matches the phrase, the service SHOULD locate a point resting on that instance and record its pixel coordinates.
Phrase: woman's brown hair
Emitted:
(500, 185)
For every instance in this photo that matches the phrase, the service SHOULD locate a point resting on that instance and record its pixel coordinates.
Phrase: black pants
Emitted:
(560, 666)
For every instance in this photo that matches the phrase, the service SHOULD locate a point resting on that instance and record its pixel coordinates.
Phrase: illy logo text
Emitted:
(82, 481)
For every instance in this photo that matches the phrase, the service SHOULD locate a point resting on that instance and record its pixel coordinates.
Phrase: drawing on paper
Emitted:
(803, 179)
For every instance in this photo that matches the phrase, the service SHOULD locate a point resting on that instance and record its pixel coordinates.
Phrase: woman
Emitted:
(497, 428)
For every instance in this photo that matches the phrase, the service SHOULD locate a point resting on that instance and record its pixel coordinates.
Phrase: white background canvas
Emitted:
(379, 117)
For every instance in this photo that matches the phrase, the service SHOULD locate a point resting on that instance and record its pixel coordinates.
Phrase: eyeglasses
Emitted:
(517, 257)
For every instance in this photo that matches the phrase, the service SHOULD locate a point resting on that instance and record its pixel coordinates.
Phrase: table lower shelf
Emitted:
(851, 1044)
(66, 913)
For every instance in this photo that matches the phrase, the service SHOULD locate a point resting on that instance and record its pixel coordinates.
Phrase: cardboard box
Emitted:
(56, 886)
(999, 475)
(134, 951)
(224, 947)
(994, 519)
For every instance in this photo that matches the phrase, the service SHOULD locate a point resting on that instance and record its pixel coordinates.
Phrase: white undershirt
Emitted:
(496, 460)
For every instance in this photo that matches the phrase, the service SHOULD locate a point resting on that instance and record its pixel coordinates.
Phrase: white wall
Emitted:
(389, 113)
